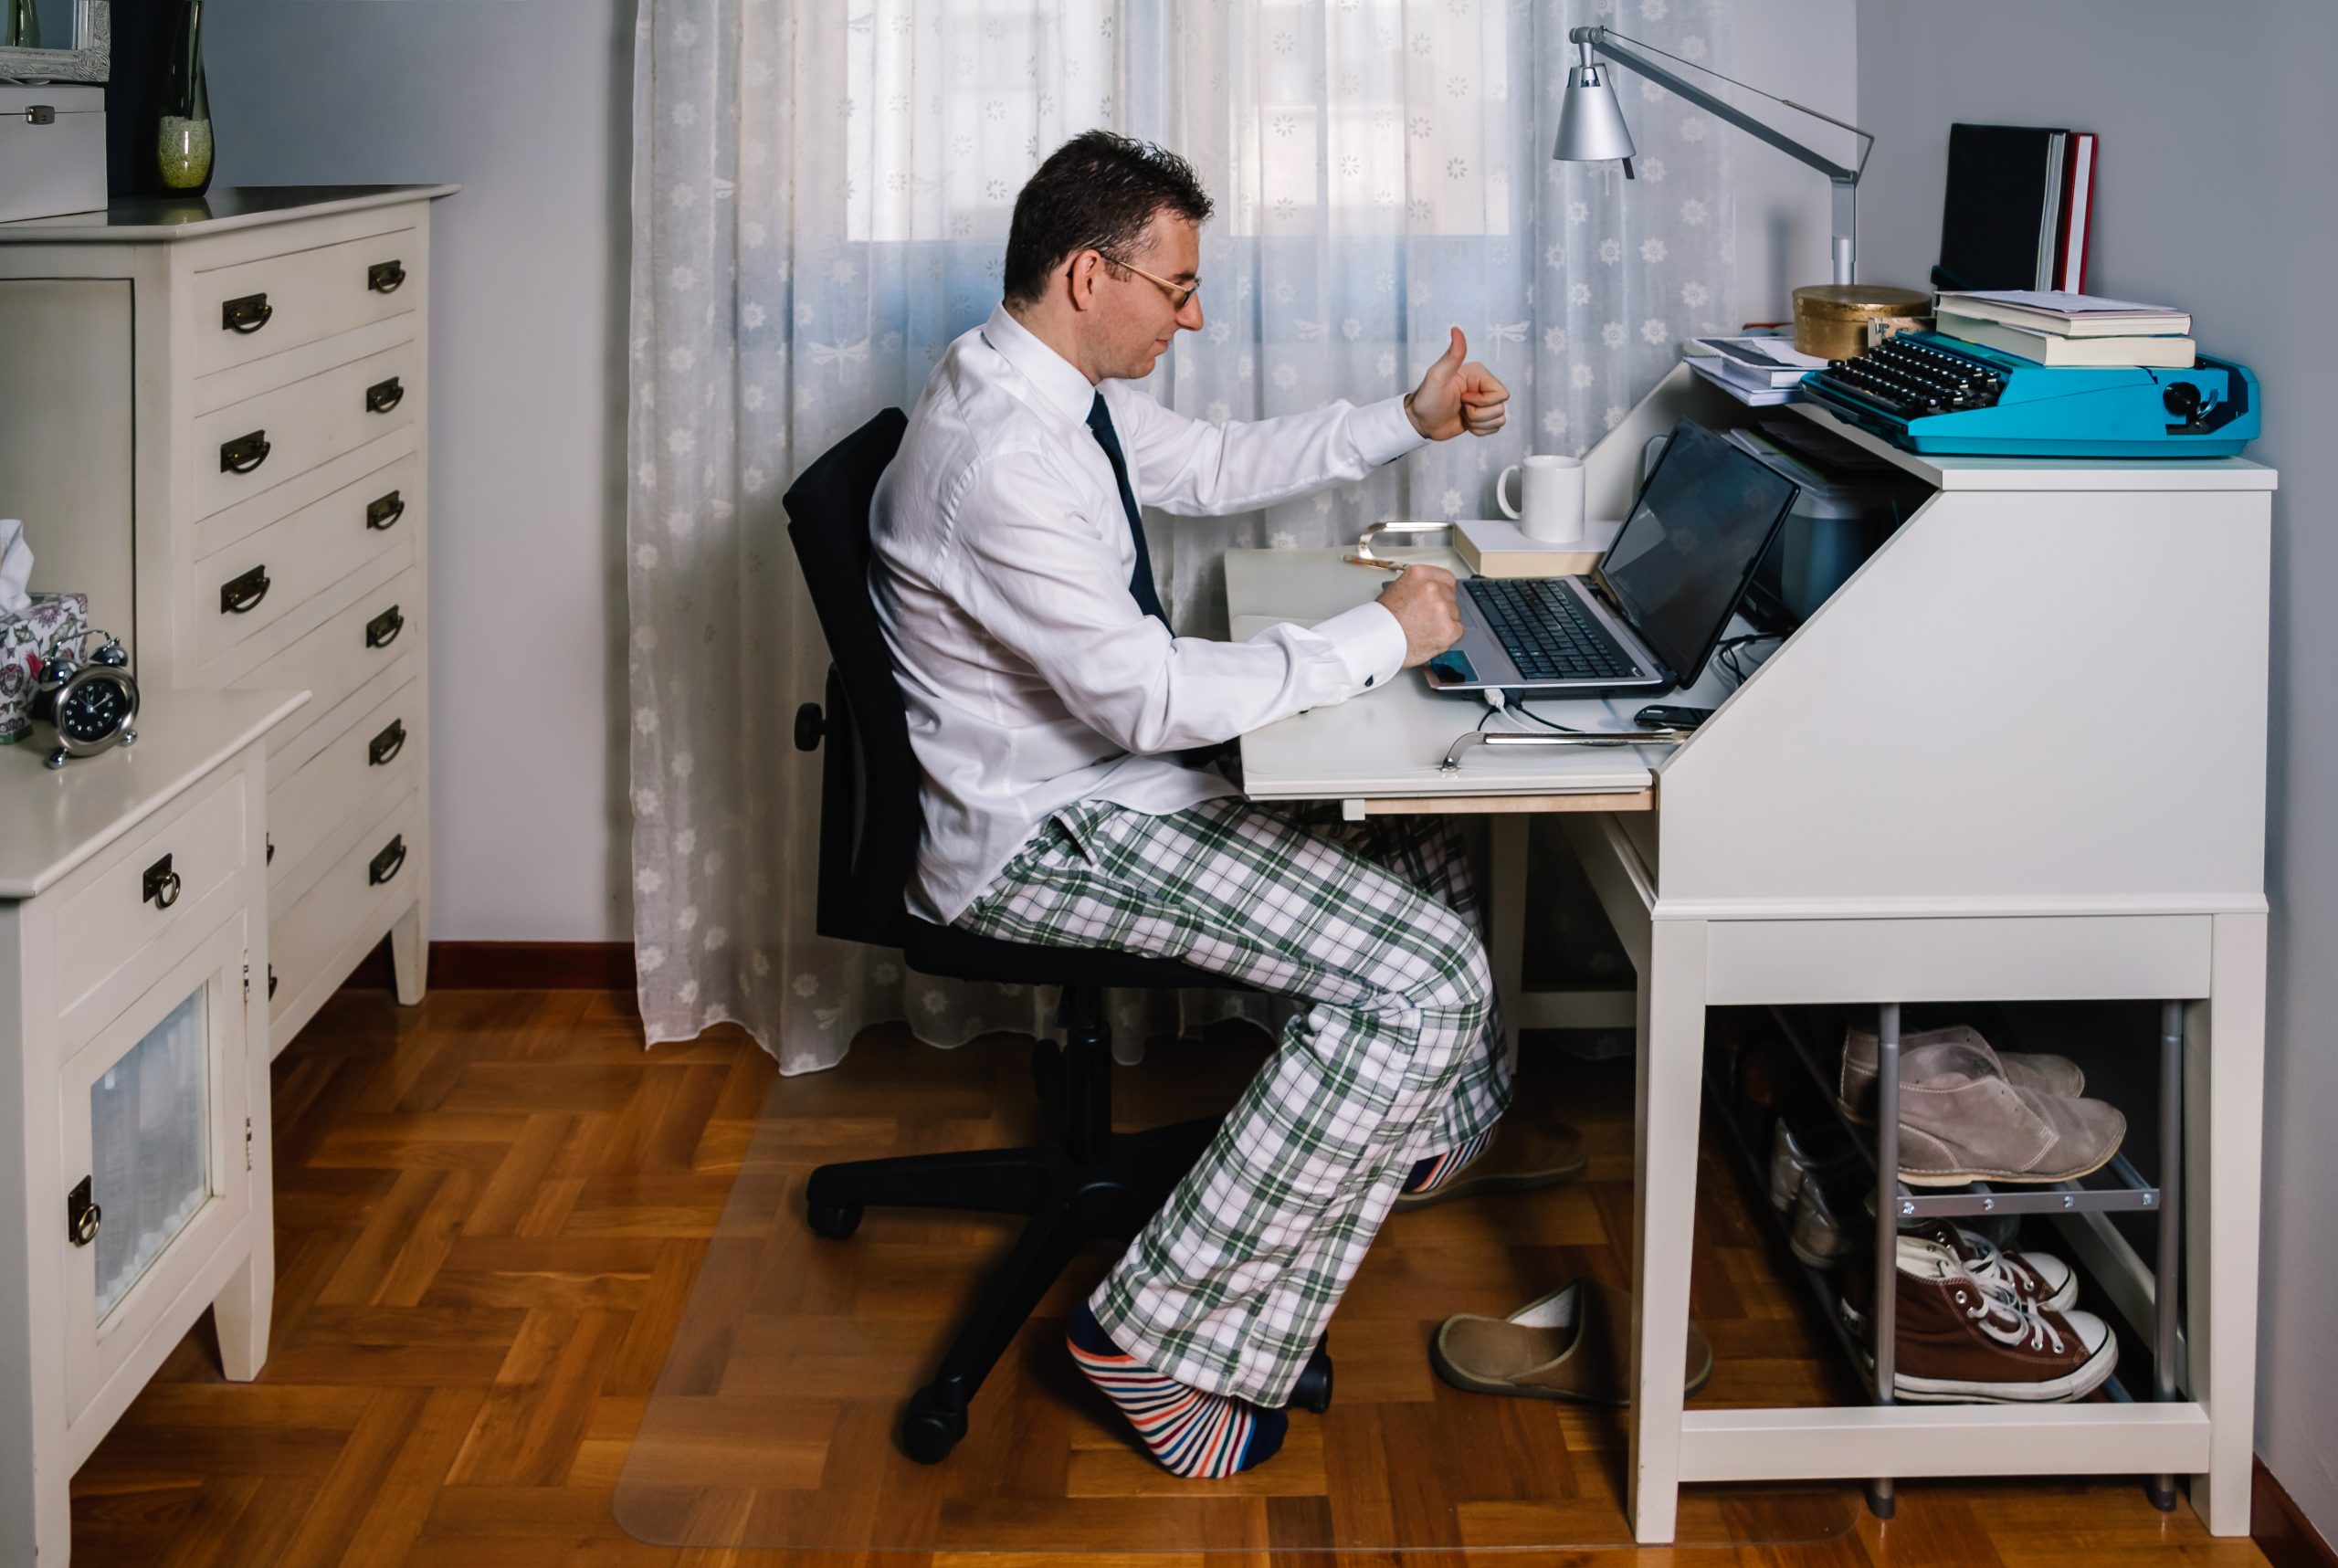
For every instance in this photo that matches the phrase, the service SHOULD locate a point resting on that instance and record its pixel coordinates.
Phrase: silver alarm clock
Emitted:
(90, 698)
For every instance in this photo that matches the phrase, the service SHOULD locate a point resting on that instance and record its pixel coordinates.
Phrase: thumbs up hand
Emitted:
(1457, 396)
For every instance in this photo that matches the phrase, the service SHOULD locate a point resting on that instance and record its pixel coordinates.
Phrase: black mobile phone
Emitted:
(1663, 716)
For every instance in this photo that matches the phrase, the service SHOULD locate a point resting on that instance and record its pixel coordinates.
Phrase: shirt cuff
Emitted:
(1383, 432)
(1368, 642)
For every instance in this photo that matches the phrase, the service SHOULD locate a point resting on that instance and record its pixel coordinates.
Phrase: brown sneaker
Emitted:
(1960, 1340)
(1955, 1128)
(1936, 1052)
(2041, 1279)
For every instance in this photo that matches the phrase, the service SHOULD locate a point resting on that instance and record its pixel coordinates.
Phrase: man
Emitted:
(1047, 701)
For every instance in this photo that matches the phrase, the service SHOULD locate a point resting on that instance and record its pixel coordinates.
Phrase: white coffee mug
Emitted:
(1553, 510)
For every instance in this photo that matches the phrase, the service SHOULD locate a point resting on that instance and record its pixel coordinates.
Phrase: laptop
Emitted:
(1649, 615)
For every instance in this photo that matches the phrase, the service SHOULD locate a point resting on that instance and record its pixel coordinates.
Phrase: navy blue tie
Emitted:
(1148, 597)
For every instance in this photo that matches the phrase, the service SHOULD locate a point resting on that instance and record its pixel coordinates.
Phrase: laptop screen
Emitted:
(1684, 554)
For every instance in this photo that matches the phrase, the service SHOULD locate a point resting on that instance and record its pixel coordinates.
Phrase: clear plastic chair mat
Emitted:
(772, 1424)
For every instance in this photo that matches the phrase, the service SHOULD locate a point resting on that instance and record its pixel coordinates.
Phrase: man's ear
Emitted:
(1082, 279)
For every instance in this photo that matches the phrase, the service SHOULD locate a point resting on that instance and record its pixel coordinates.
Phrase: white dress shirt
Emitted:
(1002, 570)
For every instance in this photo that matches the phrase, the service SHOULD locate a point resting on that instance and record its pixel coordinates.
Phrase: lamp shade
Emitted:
(1590, 122)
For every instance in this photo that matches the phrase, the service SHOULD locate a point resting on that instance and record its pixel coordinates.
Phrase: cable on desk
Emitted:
(1726, 652)
(1524, 711)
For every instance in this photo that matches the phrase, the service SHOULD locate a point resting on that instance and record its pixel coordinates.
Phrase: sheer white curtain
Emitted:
(821, 199)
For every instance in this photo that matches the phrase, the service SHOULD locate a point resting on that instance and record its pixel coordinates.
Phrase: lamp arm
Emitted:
(1845, 180)
(1615, 47)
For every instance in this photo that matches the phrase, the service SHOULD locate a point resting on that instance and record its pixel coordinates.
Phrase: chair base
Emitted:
(1071, 1204)
(1093, 1184)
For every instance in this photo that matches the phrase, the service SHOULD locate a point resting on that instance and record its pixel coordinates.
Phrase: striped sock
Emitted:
(1438, 1169)
(1191, 1433)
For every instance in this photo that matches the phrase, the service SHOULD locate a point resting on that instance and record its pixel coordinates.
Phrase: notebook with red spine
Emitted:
(2078, 213)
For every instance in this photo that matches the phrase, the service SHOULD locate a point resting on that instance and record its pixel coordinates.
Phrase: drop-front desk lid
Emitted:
(1389, 740)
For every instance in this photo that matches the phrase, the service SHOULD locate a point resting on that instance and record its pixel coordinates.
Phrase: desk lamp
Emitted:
(1592, 128)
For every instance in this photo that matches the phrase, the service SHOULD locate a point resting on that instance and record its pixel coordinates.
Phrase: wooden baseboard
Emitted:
(511, 966)
(2280, 1528)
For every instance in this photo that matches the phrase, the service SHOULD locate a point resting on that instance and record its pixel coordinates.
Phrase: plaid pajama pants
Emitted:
(1398, 1053)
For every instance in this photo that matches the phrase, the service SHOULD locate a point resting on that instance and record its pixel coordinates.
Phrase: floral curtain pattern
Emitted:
(821, 199)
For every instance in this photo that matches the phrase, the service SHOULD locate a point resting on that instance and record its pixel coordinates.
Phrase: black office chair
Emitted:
(1092, 1183)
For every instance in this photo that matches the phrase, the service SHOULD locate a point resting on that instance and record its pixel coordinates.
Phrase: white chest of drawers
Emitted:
(134, 1181)
(213, 422)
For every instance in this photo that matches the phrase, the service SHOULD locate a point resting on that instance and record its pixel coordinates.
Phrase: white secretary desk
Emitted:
(2019, 755)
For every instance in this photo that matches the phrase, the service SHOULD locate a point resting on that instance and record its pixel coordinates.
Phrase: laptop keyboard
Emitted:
(1547, 630)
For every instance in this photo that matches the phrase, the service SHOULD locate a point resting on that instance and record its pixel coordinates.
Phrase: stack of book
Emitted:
(2019, 209)
(2069, 328)
(1759, 370)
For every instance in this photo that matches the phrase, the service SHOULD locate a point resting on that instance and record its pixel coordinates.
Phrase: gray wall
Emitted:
(2215, 194)
(1804, 51)
(526, 104)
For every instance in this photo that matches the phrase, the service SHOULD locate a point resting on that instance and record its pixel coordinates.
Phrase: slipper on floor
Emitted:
(1524, 1154)
(1574, 1344)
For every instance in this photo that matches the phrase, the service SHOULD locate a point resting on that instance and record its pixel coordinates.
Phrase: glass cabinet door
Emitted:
(150, 1145)
(154, 1160)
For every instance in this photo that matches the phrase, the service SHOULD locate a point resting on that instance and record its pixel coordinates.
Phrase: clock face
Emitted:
(93, 709)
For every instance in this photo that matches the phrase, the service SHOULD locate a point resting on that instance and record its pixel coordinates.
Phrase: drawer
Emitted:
(374, 751)
(237, 592)
(221, 529)
(373, 877)
(251, 446)
(256, 308)
(380, 627)
(151, 888)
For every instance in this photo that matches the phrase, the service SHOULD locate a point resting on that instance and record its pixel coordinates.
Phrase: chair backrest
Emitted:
(870, 814)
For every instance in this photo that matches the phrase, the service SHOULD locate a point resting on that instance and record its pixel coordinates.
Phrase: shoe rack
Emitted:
(2118, 1187)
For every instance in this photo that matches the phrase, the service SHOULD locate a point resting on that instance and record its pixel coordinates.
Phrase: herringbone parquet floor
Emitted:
(492, 1210)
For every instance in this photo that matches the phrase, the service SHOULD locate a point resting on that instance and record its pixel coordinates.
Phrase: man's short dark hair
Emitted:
(1096, 192)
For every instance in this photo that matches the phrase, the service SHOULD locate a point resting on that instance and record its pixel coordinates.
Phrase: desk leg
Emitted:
(1671, 1066)
(1506, 923)
(2223, 1157)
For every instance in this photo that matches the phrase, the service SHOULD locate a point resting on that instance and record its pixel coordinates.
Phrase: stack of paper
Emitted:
(1756, 371)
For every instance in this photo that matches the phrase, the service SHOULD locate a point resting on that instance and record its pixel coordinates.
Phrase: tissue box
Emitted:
(27, 641)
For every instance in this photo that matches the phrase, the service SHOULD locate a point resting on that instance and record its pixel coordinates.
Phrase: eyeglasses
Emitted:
(1178, 292)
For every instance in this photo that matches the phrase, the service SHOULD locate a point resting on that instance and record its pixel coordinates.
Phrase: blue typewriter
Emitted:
(1937, 394)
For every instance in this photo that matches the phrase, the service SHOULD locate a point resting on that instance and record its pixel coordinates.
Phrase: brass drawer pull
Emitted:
(385, 746)
(384, 512)
(162, 885)
(244, 454)
(386, 865)
(384, 276)
(243, 596)
(247, 315)
(383, 395)
(384, 630)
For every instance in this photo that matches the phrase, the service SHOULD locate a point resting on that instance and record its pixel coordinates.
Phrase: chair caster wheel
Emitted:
(930, 1430)
(1313, 1389)
(835, 1221)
